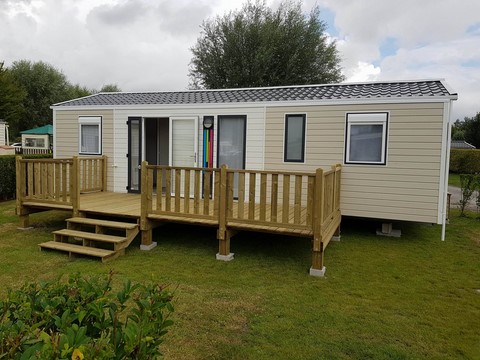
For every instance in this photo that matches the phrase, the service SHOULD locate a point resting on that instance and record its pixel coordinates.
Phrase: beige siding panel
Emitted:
(401, 214)
(360, 191)
(348, 181)
(66, 131)
(405, 189)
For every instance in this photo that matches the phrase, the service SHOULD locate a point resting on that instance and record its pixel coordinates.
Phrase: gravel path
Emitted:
(457, 195)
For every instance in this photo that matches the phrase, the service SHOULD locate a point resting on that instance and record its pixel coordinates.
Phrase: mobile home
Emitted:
(392, 138)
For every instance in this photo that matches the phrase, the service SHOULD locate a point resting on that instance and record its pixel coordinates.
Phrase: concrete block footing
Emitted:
(336, 238)
(228, 257)
(318, 272)
(388, 230)
(148, 247)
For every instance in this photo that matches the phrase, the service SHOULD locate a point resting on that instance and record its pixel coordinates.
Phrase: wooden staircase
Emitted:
(104, 239)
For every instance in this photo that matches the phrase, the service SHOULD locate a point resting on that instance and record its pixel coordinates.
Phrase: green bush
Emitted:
(7, 177)
(464, 161)
(83, 318)
(469, 183)
(8, 174)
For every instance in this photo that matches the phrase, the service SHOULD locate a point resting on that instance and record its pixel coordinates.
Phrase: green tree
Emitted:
(458, 130)
(110, 88)
(77, 91)
(11, 99)
(258, 46)
(472, 130)
(44, 85)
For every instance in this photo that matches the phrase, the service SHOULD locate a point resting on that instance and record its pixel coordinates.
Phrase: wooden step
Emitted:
(104, 223)
(78, 249)
(90, 236)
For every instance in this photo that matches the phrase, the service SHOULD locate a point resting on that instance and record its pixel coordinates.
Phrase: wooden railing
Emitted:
(328, 202)
(188, 192)
(59, 181)
(282, 200)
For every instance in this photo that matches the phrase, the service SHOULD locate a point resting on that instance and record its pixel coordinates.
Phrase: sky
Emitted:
(144, 45)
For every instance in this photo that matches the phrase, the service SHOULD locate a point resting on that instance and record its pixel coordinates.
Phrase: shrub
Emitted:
(8, 174)
(7, 177)
(83, 318)
(468, 184)
(464, 161)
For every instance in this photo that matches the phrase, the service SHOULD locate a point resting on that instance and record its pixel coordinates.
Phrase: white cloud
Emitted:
(144, 44)
(434, 39)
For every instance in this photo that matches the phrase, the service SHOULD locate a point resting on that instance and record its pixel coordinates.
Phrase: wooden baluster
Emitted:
(159, 189)
(263, 196)
(168, 190)
(207, 190)
(274, 198)
(241, 195)
(286, 199)
(298, 199)
(186, 192)
(196, 192)
(251, 196)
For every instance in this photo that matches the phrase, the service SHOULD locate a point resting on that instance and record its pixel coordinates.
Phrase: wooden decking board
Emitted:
(128, 205)
(90, 236)
(53, 206)
(78, 249)
(105, 223)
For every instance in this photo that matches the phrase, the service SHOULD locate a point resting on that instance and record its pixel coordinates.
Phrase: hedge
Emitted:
(464, 161)
(8, 174)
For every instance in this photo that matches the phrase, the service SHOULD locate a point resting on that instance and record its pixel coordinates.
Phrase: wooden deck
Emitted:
(295, 204)
(129, 205)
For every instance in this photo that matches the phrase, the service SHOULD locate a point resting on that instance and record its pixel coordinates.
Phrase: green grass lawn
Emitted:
(413, 297)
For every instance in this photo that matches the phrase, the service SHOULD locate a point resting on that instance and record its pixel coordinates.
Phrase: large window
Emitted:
(90, 133)
(366, 138)
(294, 145)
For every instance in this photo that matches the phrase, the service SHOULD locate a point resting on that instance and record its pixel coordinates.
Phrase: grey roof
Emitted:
(460, 144)
(354, 91)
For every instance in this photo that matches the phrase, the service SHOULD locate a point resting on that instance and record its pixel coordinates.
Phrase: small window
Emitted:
(366, 138)
(90, 133)
(294, 145)
(35, 142)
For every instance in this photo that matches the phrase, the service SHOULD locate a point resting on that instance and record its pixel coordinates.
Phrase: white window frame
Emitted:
(90, 120)
(371, 118)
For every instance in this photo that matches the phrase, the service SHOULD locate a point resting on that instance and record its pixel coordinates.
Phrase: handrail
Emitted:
(59, 181)
(182, 191)
(283, 199)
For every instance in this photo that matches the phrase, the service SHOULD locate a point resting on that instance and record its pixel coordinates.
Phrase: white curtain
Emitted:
(295, 131)
(89, 139)
(366, 142)
(231, 132)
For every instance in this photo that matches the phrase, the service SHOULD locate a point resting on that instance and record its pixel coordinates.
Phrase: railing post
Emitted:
(21, 174)
(318, 269)
(104, 173)
(147, 242)
(223, 234)
(75, 186)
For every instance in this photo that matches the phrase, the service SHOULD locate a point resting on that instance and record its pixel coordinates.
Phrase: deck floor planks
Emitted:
(127, 204)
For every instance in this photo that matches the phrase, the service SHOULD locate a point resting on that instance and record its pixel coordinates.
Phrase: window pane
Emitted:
(366, 143)
(231, 132)
(90, 139)
(294, 138)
